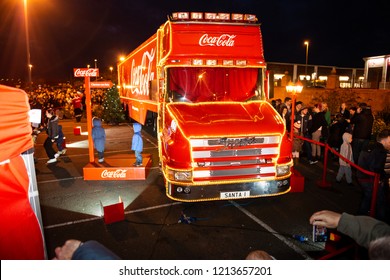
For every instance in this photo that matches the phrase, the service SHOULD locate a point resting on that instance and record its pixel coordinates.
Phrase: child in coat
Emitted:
(137, 144)
(98, 137)
(345, 151)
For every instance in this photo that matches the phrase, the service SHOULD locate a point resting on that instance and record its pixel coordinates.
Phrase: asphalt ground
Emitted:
(72, 209)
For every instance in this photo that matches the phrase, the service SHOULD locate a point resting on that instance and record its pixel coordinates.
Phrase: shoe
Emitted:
(101, 160)
(51, 160)
(57, 154)
(313, 161)
(63, 152)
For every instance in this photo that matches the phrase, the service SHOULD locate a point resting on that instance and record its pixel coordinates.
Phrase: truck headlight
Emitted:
(282, 170)
(179, 175)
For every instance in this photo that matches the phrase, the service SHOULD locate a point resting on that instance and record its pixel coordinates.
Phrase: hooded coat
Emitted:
(137, 144)
(346, 149)
(98, 135)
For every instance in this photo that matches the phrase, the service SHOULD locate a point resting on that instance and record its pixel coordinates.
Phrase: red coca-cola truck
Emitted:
(203, 77)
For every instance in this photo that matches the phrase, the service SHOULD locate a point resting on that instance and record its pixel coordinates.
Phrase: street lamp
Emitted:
(111, 68)
(307, 56)
(27, 42)
(30, 74)
(294, 89)
(95, 68)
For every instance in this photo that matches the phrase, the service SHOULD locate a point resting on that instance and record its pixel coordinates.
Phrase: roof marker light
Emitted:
(196, 15)
(227, 62)
(180, 15)
(210, 16)
(250, 17)
(237, 17)
(223, 16)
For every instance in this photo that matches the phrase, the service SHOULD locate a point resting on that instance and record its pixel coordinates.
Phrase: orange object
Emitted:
(20, 235)
(77, 130)
(297, 182)
(114, 213)
(118, 167)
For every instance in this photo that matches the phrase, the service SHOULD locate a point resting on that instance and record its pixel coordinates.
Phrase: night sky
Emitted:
(72, 33)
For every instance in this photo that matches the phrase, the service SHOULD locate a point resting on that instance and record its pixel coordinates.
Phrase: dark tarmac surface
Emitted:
(71, 209)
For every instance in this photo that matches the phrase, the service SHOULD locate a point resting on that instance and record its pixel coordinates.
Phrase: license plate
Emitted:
(232, 195)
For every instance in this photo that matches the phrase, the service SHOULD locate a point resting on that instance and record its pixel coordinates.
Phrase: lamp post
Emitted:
(96, 67)
(27, 42)
(294, 89)
(307, 56)
(30, 66)
(111, 68)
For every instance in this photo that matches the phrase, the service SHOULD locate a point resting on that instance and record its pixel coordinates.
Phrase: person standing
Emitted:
(285, 116)
(336, 132)
(60, 141)
(52, 135)
(77, 106)
(306, 121)
(375, 161)
(362, 122)
(99, 138)
(316, 129)
(345, 167)
(137, 144)
(344, 111)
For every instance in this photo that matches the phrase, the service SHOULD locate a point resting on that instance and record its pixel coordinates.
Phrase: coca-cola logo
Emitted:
(119, 173)
(86, 72)
(142, 74)
(225, 40)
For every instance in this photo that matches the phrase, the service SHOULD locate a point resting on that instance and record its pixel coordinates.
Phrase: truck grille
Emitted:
(252, 157)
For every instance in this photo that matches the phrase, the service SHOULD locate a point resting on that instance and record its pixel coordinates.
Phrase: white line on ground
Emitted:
(273, 232)
(98, 218)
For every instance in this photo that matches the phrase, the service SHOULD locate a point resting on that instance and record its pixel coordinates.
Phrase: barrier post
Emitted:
(89, 118)
(374, 195)
(324, 183)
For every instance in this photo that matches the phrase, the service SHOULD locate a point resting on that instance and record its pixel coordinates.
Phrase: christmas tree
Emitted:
(112, 107)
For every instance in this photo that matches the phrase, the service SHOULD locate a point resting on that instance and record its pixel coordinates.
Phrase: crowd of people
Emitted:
(319, 124)
(349, 133)
(67, 101)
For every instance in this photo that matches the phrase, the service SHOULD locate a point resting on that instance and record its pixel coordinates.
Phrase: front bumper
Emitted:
(227, 191)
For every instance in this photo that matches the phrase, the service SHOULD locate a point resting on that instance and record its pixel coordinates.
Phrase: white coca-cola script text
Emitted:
(225, 40)
(119, 173)
(142, 74)
(86, 72)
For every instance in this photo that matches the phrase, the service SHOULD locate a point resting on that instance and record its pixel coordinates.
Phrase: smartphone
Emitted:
(319, 234)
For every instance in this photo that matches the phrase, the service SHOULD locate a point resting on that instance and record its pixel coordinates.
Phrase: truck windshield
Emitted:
(189, 84)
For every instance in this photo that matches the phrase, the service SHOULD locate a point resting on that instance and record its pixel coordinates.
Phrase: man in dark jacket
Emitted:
(362, 122)
(52, 135)
(374, 161)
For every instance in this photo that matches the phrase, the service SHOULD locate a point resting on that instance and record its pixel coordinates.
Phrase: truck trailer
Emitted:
(202, 81)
